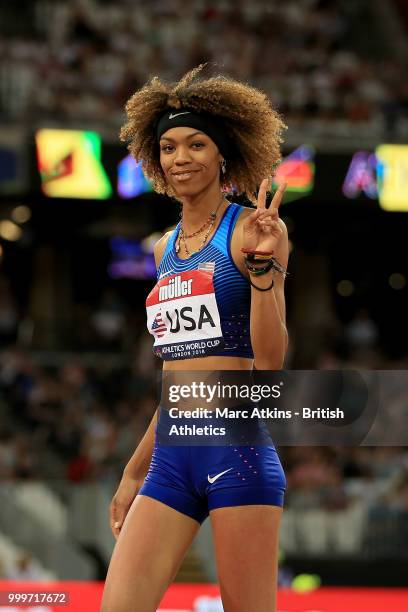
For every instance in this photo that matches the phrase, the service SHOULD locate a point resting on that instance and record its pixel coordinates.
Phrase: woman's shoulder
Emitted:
(243, 212)
(243, 209)
(160, 247)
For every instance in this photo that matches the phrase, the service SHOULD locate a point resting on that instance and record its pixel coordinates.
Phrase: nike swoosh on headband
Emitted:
(171, 116)
(212, 479)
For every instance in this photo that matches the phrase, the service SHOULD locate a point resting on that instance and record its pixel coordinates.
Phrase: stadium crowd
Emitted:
(79, 419)
(79, 416)
(81, 422)
(79, 61)
(72, 422)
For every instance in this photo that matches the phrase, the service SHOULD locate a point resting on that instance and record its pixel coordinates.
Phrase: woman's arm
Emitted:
(138, 465)
(269, 336)
(132, 479)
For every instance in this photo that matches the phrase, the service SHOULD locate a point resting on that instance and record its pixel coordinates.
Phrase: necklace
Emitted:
(210, 223)
(199, 231)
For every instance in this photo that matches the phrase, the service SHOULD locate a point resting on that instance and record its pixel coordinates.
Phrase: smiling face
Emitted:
(189, 159)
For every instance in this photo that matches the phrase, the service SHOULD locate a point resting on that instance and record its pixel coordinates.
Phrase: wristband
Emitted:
(261, 288)
(257, 255)
(257, 252)
(258, 271)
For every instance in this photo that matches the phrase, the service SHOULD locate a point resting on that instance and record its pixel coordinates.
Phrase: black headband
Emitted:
(209, 124)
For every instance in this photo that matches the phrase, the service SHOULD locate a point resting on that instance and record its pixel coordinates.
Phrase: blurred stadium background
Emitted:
(78, 221)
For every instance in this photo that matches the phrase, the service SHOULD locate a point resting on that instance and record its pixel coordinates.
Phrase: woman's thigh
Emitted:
(246, 540)
(148, 552)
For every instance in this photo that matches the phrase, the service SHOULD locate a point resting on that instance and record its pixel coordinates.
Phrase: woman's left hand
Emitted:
(262, 229)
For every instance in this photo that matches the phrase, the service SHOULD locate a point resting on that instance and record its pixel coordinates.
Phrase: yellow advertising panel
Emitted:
(70, 166)
(392, 177)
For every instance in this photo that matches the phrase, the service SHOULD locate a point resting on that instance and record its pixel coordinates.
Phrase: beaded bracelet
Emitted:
(255, 256)
(258, 258)
(271, 263)
(261, 257)
(257, 270)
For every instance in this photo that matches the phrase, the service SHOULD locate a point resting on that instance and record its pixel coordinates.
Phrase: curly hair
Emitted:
(253, 125)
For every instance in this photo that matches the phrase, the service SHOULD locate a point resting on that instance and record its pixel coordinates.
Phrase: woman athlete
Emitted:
(196, 138)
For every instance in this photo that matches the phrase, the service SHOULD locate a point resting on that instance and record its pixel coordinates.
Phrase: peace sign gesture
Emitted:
(262, 229)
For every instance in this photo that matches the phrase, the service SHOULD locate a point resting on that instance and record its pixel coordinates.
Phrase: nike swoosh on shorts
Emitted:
(212, 479)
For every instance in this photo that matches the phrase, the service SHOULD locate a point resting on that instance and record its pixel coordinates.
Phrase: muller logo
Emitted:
(175, 288)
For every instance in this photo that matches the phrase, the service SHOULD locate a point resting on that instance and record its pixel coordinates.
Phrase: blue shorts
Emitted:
(197, 479)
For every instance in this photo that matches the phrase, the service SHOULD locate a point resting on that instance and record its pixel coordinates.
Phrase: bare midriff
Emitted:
(210, 363)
